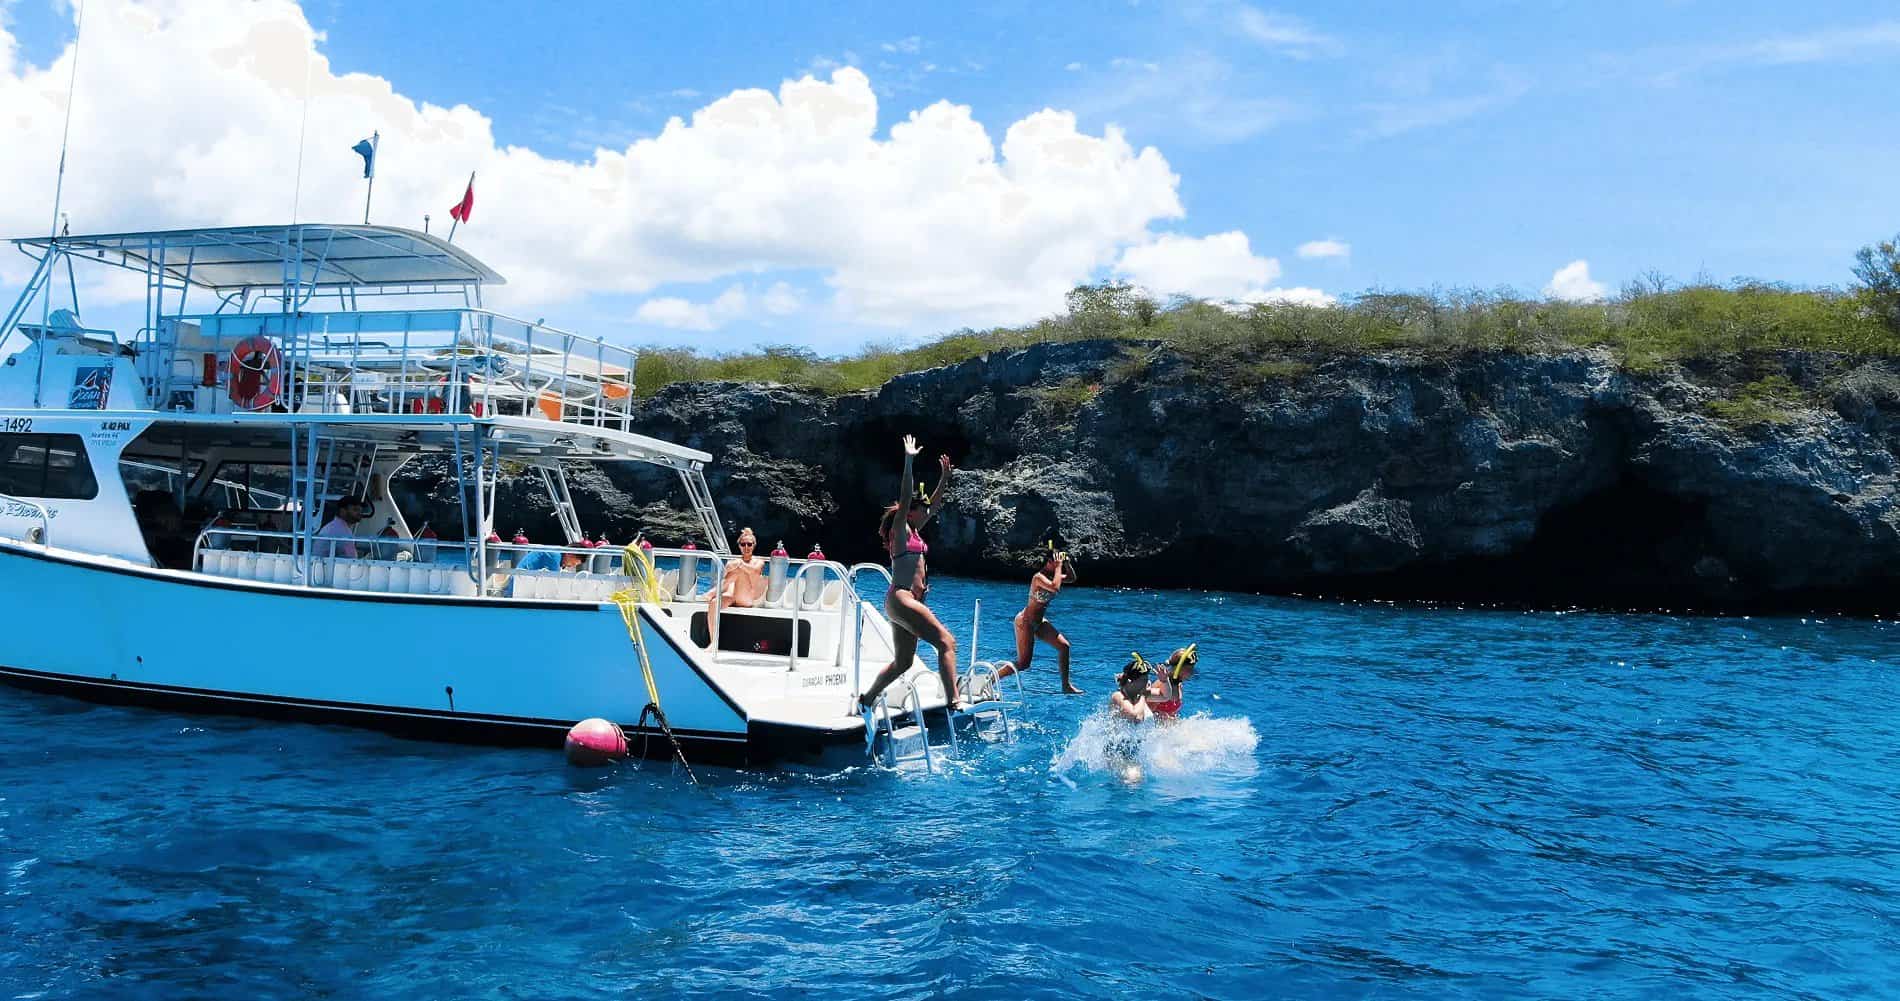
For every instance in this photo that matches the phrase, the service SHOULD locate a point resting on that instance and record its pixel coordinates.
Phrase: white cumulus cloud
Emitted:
(1321, 249)
(781, 300)
(935, 223)
(685, 314)
(1222, 266)
(1573, 282)
(1300, 295)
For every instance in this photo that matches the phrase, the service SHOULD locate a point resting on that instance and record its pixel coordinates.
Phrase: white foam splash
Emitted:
(1192, 745)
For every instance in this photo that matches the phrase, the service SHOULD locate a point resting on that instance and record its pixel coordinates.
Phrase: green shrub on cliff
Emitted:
(1647, 326)
(1769, 400)
(1877, 268)
(1061, 400)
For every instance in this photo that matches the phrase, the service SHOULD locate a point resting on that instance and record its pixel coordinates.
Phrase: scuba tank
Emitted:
(775, 572)
(425, 546)
(815, 582)
(385, 549)
(515, 556)
(689, 572)
(603, 560)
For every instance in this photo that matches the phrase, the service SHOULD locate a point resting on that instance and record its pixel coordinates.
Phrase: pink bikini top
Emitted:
(916, 544)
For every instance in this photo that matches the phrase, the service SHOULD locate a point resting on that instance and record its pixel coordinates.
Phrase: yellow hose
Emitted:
(646, 588)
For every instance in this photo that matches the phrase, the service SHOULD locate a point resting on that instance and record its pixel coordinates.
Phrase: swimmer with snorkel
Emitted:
(1136, 699)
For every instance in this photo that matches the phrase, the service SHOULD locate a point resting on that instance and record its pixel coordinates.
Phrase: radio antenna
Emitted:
(59, 189)
(296, 190)
(72, 84)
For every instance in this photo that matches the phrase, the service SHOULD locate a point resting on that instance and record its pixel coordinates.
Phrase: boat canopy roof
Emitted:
(519, 438)
(240, 257)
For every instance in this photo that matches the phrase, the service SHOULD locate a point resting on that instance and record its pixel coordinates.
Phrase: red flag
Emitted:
(462, 208)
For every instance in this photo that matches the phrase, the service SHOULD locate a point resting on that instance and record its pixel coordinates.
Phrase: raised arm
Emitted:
(906, 497)
(1163, 689)
(943, 480)
(1066, 570)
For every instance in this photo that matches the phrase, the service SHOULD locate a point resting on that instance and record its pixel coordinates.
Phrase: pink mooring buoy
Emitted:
(594, 742)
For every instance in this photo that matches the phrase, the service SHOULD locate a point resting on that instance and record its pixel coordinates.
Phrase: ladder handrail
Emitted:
(915, 700)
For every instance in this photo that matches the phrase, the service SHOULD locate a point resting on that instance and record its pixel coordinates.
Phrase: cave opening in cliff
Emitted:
(877, 445)
(1626, 546)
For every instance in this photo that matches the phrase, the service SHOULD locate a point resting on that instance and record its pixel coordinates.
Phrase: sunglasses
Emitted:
(747, 545)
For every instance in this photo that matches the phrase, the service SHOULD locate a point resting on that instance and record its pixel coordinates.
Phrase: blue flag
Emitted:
(367, 149)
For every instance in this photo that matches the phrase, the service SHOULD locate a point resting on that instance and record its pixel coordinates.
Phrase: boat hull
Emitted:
(459, 669)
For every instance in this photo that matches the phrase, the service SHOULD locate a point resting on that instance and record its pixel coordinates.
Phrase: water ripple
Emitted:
(1383, 801)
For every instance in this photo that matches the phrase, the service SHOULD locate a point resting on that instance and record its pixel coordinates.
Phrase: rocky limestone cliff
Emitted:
(1526, 479)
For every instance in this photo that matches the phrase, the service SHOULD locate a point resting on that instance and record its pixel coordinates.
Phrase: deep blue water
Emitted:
(1383, 801)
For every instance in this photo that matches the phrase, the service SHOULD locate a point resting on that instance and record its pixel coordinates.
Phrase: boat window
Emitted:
(46, 465)
(254, 486)
(157, 474)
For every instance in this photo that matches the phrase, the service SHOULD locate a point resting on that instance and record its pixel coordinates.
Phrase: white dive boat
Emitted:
(161, 495)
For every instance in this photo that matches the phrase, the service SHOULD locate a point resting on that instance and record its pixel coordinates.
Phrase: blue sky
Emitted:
(1476, 143)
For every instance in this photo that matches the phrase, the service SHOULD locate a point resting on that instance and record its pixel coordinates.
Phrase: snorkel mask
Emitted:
(1134, 677)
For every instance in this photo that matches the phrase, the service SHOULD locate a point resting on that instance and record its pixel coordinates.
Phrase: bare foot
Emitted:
(1070, 689)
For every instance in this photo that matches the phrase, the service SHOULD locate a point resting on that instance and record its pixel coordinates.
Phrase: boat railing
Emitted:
(405, 564)
(797, 587)
(20, 507)
(857, 634)
(509, 569)
(805, 603)
(424, 361)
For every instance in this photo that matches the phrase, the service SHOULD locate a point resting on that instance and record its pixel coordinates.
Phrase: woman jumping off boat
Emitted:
(911, 619)
(1032, 623)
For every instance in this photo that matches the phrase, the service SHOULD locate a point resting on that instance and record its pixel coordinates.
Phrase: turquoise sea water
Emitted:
(1381, 802)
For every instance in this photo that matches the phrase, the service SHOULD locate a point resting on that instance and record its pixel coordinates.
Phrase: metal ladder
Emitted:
(701, 497)
(909, 725)
(880, 722)
(556, 480)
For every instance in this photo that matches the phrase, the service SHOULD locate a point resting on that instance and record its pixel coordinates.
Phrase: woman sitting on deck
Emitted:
(743, 585)
(911, 619)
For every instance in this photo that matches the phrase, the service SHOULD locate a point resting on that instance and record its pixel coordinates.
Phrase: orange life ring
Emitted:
(257, 373)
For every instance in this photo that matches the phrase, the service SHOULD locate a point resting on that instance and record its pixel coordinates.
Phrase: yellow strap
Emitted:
(646, 588)
(628, 601)
(648, 578)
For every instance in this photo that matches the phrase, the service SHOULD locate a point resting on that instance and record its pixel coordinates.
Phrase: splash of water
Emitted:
(1192, 745)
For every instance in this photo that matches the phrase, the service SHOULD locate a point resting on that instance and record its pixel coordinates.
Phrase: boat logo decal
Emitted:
(92, 384)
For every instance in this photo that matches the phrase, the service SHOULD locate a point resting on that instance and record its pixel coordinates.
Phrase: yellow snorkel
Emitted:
(1183, 658)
